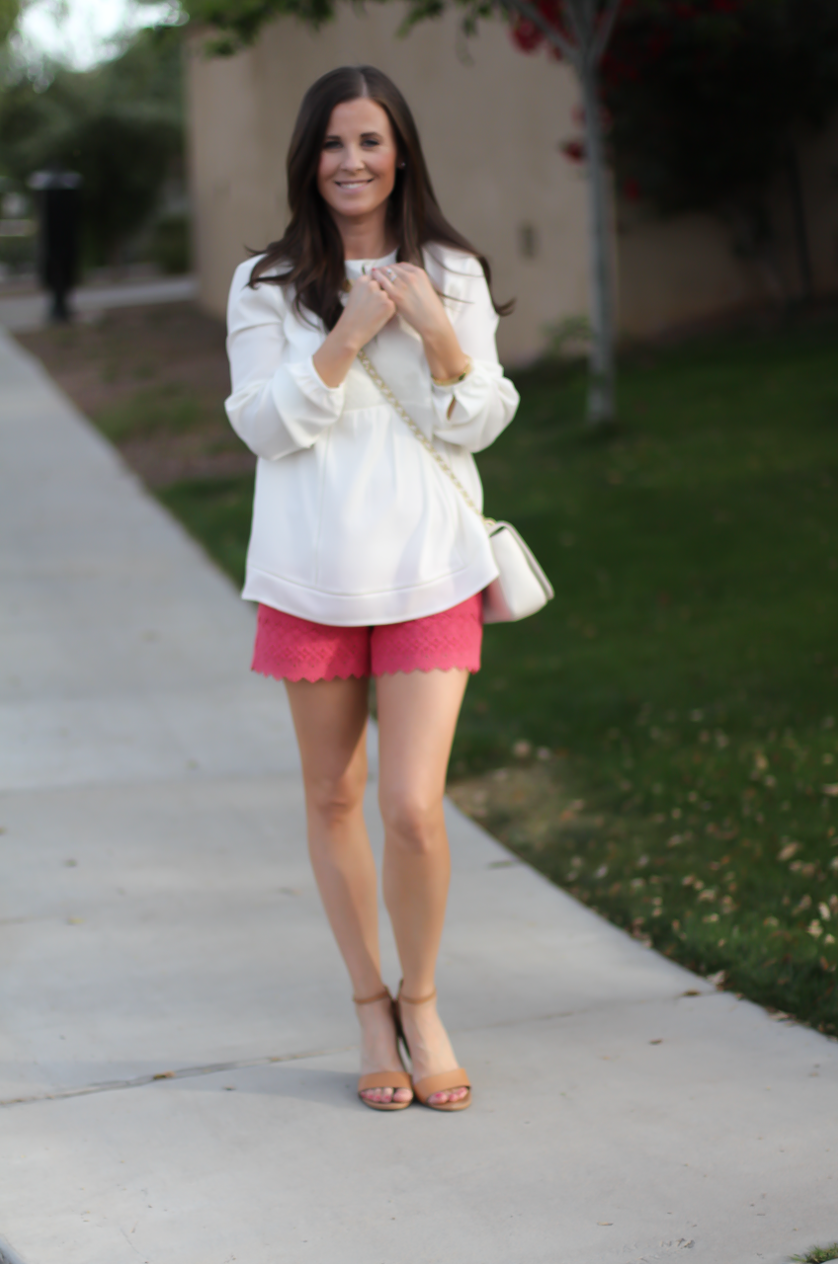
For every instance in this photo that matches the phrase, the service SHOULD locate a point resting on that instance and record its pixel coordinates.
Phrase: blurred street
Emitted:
(178, 1054)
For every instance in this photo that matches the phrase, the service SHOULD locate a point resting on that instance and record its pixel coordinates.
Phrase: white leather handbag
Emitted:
(521, 587)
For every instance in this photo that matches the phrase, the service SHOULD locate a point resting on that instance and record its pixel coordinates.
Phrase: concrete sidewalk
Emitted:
(178, 1051)
(24, 312)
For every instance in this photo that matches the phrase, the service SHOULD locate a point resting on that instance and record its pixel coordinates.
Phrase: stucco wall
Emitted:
(491, 120)
(490, 128)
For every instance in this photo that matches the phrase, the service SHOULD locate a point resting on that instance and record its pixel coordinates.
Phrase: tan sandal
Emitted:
(430, 1084)
(383, 1079)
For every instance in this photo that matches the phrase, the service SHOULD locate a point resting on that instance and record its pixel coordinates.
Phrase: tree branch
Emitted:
(572, 10)
(606, 30)
(532, 14)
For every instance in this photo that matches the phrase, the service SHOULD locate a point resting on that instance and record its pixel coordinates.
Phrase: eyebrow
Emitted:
(364, 135)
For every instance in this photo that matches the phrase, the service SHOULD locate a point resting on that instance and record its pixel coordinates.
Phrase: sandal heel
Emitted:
(430, 1084)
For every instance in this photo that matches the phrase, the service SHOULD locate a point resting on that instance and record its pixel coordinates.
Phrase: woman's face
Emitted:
(357, 168)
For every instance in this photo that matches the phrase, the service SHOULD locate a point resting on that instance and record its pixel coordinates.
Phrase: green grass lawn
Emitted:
(684, 680)
(217, 511)
(689, 662)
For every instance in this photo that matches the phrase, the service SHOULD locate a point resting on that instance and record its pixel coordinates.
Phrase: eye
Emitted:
(371, 141)
(331, 142)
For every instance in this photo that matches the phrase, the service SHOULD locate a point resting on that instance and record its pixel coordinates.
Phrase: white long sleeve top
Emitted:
(353, 522)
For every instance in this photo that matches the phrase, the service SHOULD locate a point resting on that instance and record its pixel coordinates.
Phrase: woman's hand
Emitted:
(368, 309)
(414, 297)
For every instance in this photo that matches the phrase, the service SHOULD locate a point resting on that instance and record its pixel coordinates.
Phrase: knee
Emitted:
(334, 799)
(413, 824)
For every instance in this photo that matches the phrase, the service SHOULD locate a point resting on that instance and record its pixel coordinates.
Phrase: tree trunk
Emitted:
(601, 403)
(801, 229)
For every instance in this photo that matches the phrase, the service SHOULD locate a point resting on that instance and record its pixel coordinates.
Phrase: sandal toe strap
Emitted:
(439, 1083)
(384, 1079)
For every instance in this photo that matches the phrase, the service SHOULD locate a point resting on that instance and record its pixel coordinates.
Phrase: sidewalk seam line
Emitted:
(214, 1068)
(185, 1073)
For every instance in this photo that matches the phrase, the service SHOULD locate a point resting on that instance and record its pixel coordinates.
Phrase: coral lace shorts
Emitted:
(289, 648)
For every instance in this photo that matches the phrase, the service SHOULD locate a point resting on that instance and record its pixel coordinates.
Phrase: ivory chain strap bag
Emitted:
(521, 587)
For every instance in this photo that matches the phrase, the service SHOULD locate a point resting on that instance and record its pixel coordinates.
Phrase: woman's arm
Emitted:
(277, 408)
(458, 338)
(280, 407)
(414, 297)
(367, 311)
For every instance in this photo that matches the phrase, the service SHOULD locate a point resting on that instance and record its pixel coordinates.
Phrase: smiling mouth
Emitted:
(352, 184)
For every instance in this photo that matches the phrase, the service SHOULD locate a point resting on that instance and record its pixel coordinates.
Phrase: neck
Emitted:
(365, 237)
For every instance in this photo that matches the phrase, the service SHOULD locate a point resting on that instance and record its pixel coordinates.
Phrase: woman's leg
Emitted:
(330, 718)
(417, 715)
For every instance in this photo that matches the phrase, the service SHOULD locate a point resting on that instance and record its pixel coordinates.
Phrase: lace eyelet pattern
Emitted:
(290, 648)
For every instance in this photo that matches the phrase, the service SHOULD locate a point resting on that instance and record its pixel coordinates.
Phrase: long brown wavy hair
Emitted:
(310, 252)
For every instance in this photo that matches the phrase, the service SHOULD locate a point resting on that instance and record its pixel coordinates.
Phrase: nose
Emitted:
(353, 159)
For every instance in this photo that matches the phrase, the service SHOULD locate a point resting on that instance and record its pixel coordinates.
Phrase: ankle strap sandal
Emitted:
(382, 1079)
(430, 1084)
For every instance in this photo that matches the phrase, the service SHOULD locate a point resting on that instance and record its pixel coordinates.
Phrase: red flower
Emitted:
(574, 150)
(526, 35)
(552, 11)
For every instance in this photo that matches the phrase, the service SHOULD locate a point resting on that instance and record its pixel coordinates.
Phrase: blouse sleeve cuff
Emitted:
(470, 396)
(304, 403)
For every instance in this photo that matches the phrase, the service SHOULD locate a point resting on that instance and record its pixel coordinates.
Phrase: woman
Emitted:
(364, 558)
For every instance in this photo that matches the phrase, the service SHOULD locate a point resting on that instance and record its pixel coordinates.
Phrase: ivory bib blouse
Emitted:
(354, 523)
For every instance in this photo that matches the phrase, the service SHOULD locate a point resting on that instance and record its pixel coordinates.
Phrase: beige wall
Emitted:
(490, 129)
(491, 126)
(680, 271)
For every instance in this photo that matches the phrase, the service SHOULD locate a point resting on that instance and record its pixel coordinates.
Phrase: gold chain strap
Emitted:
(420, 435)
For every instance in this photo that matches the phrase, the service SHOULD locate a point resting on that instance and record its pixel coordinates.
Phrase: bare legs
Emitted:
(330, 718)
(417, 716)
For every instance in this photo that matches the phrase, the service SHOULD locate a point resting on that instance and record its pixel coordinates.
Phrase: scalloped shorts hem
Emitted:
(290, 648)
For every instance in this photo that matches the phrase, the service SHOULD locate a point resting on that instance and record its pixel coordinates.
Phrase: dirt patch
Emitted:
(154, 380)
(529, 807)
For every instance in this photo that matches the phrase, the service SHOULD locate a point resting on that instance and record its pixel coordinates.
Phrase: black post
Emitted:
(58, 237)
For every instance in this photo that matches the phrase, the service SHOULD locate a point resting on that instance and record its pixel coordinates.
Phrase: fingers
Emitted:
(375, 288)
(369, 305)
(365, 287)
(386, 278)
(395, 275)
(403, 288)
(405, 283)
